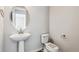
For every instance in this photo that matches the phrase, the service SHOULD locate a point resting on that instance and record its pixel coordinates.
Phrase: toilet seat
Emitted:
(51, 47)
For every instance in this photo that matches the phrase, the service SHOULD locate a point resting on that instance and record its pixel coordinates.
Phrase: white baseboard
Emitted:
(36, 50)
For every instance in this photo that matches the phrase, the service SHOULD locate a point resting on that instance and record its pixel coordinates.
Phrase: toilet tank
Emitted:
(44, 38)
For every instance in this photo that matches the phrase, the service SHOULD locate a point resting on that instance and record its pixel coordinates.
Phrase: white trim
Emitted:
(36, 50)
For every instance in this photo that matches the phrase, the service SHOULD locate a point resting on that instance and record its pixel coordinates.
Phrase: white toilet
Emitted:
(48, 46)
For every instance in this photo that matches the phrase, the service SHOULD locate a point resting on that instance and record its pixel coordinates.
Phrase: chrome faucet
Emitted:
(20, 31)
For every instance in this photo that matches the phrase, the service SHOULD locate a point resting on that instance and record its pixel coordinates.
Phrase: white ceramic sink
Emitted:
(20, 37)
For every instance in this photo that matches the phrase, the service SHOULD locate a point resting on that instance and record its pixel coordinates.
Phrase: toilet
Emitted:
(48, 46)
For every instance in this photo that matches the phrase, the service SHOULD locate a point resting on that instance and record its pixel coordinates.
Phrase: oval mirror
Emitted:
(19, 18)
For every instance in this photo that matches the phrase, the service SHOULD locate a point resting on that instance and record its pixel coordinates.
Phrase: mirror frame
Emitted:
(20, 8)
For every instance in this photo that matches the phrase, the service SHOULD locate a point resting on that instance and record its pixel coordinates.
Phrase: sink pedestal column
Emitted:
(20, 46)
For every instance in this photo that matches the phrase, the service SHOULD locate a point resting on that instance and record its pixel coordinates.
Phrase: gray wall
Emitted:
(38, 25)
(1, 31)
(65, 20)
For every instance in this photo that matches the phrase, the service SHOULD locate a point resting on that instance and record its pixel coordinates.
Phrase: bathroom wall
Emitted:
(38, 24)
(65, 20)
(1, 31)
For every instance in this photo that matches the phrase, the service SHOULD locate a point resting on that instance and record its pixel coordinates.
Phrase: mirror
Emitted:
(19, 18)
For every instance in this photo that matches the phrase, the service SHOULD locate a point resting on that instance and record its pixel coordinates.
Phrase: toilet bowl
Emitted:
(50, 47)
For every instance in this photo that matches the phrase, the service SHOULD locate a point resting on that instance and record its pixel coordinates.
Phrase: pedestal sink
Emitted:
(19, 38)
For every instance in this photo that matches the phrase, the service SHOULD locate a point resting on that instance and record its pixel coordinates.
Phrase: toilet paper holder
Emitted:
(64, 36)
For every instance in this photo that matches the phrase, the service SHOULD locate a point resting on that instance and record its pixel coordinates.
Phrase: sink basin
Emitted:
(20, 37)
